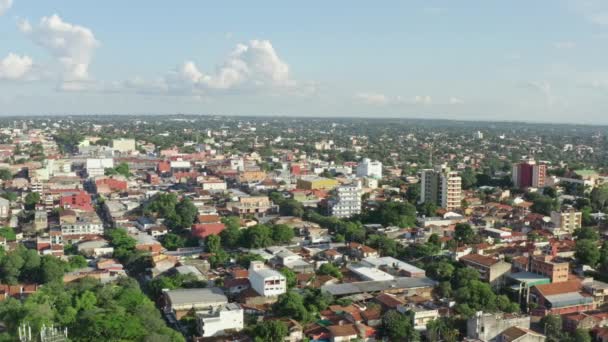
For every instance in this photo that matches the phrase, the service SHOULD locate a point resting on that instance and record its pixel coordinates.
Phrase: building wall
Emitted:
(487, 327)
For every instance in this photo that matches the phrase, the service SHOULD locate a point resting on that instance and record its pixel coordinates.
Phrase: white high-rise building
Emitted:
(442, 187)
(97, 167)
(369, 168)
(265, 281)
(346, 202)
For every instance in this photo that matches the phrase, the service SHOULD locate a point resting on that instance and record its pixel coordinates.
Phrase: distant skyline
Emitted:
(539, 61)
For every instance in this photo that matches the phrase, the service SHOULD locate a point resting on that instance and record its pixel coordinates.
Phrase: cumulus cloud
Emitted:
(15, 67)
(564, 45)
(251, 66)
(72, 45)
(5, 5)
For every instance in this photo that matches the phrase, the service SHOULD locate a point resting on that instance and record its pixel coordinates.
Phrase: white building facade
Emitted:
(346, 201)
(369, 168)
(265, 281)
(218, 322)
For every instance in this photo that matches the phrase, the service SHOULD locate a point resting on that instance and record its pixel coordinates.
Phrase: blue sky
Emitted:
(539, 60)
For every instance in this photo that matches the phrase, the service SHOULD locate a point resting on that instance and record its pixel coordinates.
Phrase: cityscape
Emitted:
(315, 172)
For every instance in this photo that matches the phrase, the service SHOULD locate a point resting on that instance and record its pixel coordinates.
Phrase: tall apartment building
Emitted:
(346, 201)
(369, 168)
(566, 220)
(442, 187)
(529, 174)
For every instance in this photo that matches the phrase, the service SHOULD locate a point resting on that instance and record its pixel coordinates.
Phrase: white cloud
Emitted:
(251, 66)
(5, 5)
(455, 101)
(600, 18)
(382, 100)
(564, 45)
(15, 67)
(72, 45)
(373, 98)
(545, 89)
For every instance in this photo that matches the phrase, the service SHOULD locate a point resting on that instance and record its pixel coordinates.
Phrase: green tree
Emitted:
(586, 252)
(8, 233)
(270, 331)
(31, 199)
(587, 233)
(469, 179)
(552, 327)
(172, 241)
(398, 327)
(258, 236)
(330, 269)
(291, 304)
(6, 174)
(290, 276)
(581, 335)
(464, 233)
(282, 234)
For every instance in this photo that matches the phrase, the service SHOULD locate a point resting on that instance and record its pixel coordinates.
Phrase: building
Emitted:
(442, 187)
(220, 321)
(257, 205)
(546, 265)
(180, 302)
(123, 145)
(529, 174)
(265, 281)
(519, 334)
(5, 208)
(346, 201)
(369, 168)
(77, 222)
(316, 183)
(491, 270)
(97, 167)
(478, 135)
(487, 326)
(560, 298)
(566, 221)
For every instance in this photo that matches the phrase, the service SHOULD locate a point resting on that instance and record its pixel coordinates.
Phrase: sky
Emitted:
(541, 61)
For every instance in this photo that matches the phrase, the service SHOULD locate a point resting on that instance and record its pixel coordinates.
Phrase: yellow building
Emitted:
(316, 183)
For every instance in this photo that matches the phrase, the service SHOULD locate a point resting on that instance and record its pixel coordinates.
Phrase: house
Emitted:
(488, 326)
(218, 321)
(5, 208)
(361, 251)
(519, 334)
(560, 298)
(181, 302)
(343, 333)
(202, 230)
(265, 281)
(491, 270)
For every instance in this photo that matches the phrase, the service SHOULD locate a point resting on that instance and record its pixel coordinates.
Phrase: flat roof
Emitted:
(377, 286)
(190, 296)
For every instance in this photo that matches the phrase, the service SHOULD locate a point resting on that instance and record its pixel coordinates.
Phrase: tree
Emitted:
(172, 241)
(258, 236)
(330, 269)
(291, 207)
(291, 304)
(230, 236)
(9, 195)
(290, 276)
(441, 270)
(398, 327)
(587, 233)
(599, 197)
(52, 269)
(282, 233)
(6, 174)
(8, 233)
(586, 252)
(552, 327)
(464, 233)
(270, 331)
(582, 335)
(31, 199)
(469, 178)
(213, 243)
